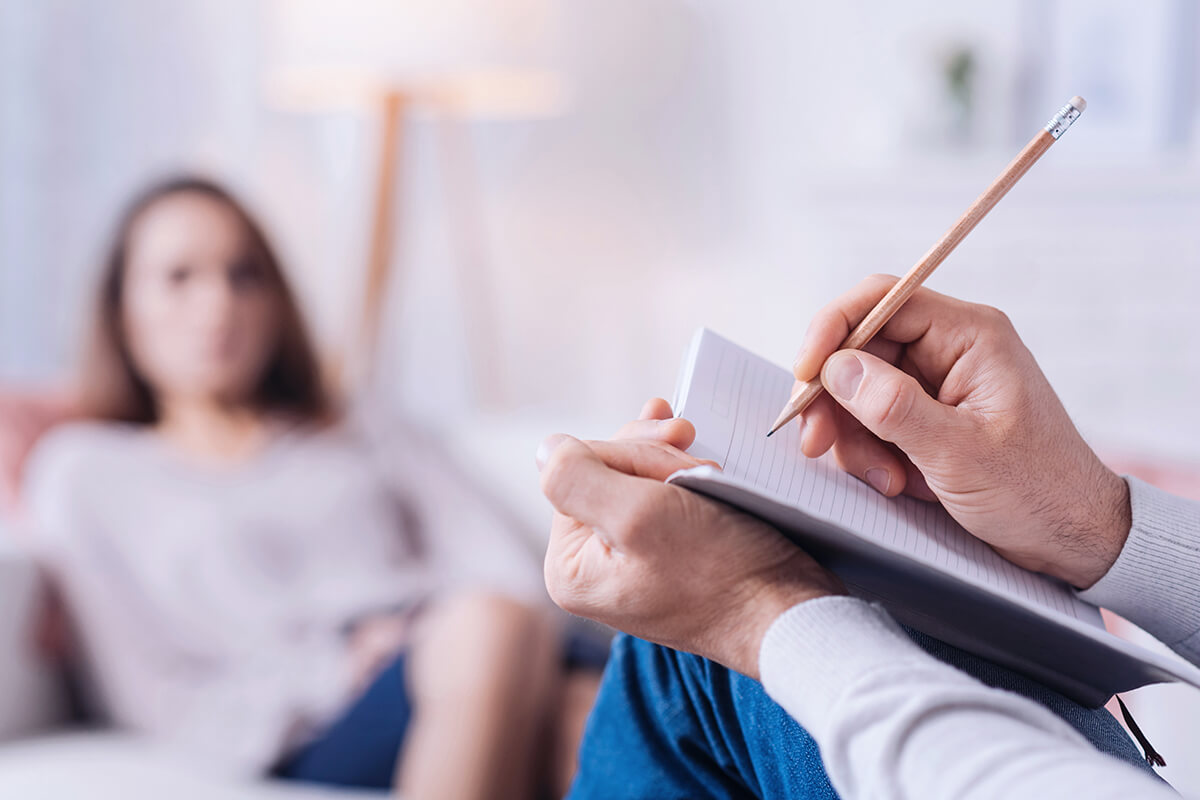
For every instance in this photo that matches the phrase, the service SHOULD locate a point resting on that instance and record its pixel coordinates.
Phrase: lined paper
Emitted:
(732, 396)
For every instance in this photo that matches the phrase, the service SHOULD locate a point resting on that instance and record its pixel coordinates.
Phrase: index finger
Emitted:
(832, 324)
(643, 458)
(922, 312)
(581, 485)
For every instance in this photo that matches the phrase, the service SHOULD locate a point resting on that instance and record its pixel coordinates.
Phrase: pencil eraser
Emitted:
(1079, 103)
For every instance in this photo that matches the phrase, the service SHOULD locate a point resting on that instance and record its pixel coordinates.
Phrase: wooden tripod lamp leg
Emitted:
(383, 228)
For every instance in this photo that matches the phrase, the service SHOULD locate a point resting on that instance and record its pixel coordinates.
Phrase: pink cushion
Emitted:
(25, 414)
(1177, 477)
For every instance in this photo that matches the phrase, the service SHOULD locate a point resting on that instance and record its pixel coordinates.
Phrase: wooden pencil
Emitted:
(906, 286)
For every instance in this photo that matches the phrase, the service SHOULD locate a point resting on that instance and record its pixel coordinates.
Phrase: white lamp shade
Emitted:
(487, 55)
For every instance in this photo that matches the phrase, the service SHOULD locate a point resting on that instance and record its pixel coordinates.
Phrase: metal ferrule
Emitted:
(1059, 123)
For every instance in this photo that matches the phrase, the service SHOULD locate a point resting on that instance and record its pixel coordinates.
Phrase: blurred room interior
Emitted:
(541, 200)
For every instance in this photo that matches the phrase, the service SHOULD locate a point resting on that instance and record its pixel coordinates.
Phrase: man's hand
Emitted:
(947, 404)
(661, 562)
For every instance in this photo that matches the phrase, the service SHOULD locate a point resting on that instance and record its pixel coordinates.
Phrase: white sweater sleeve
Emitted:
(1155, 581)
(894, 722)
(472, 540)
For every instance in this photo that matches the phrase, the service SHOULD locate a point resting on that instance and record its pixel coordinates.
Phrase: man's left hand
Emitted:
(658, 561)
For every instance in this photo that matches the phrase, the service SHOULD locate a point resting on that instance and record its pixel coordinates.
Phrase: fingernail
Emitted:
(665, 421)
(843, 374)
(879, 477)
(547, 447)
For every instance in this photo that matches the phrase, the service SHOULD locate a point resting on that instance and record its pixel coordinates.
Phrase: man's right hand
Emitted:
(947, 404)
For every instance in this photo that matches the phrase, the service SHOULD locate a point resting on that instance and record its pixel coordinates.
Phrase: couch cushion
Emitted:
(100, 765)
(31, 697)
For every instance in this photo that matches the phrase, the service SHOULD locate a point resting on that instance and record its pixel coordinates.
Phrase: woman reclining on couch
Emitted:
(248, 576)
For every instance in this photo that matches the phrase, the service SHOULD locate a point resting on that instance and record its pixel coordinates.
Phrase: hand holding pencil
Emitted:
(904, 288)
(947, 404)
(943, 402)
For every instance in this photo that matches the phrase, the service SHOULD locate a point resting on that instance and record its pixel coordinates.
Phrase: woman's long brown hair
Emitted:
(112, 386)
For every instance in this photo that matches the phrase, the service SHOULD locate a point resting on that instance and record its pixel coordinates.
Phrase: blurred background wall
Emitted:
(730, 164)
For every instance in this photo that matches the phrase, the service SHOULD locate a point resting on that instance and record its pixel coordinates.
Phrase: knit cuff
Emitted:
(814, 652)
(1155, 581)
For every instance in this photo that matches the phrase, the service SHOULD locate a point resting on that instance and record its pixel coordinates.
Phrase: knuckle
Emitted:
(638, 430)
(995, 331)
(559, 474)
(636, 518)
(657, 445)
(994, 318)
(645, 454)
(829, 317)
(627, 431)
(669, 451)
(891, 403)
(665, 453)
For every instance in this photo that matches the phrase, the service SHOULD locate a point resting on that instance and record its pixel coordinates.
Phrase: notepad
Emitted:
(906, 554)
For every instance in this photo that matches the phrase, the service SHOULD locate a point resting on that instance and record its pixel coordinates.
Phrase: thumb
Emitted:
(888, 402)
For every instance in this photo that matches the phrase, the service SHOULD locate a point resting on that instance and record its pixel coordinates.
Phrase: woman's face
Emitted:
(200, 316)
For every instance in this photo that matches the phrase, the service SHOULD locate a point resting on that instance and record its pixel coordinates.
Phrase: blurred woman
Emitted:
(247, 576)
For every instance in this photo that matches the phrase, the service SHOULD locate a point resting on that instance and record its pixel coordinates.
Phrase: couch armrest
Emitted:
(31, 695)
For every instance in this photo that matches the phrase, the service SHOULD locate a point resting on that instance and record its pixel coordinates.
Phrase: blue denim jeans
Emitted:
(360, 748)
(672, 725)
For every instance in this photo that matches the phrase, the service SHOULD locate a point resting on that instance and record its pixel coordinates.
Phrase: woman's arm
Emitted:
(893, 722)
(239, 704)
(469, 538)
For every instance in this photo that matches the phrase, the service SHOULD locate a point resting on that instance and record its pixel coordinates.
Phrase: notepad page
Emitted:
(733, 396)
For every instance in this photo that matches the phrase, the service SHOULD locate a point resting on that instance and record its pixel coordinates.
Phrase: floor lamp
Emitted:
(453, 61)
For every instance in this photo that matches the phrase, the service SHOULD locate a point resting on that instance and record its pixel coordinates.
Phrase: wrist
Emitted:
(1100, 532)
(768, 603)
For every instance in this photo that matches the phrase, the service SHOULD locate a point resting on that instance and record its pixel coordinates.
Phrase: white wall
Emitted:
(804, 171)
(96, 100)
(723, 164)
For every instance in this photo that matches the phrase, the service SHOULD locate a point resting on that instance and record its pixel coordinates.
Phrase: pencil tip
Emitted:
(769, 433)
